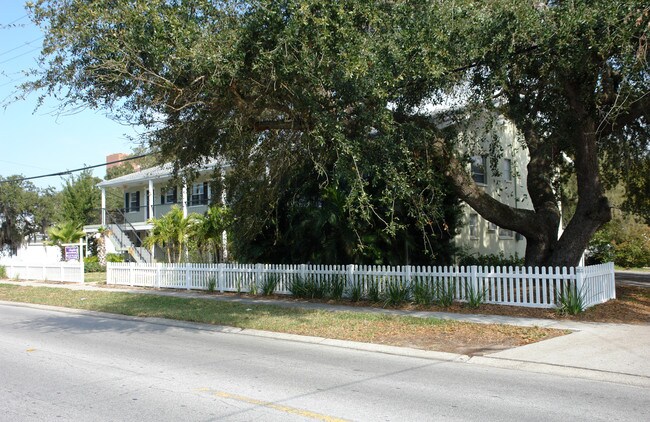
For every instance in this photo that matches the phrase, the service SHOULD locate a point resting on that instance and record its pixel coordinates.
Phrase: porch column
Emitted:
(151, 196)
(184, 198)
(103, 207)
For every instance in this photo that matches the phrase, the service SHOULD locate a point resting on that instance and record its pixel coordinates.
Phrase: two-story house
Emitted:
(151, 193)
(146, 194)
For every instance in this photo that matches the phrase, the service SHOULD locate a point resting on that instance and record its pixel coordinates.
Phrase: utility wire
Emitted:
(23, 45)
(68, 172)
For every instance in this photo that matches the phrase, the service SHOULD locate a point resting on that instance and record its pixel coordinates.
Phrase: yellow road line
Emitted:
(274, 406)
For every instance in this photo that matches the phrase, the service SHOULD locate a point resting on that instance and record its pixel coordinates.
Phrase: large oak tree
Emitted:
(346, 86)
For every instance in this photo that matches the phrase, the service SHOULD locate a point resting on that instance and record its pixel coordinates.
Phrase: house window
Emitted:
(132, 201)
(169, 196)
(505, 233)
(507, 169)
(473, 226)
(479, 165)
(199, 194)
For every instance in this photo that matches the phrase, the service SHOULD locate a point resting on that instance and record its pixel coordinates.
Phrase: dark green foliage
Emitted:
(3, 272)
(25, 211)
(81, 199)
(344, 90)
(490, 260)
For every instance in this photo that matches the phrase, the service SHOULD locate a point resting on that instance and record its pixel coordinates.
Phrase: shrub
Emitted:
(297, 287)
(493, 260)
(114, 257)
(3, 272)
(91, 265)
(373, 291)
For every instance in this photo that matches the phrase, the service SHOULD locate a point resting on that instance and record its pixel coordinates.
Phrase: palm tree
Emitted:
(206, 232)
(170, 232)
(62, 233)
(101, 237)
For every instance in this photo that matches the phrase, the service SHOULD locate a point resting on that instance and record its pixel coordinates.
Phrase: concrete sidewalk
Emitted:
(606, 352)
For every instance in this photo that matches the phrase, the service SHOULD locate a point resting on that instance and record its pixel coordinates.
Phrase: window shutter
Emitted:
(137, 201)
(126, 202)
(205, 193)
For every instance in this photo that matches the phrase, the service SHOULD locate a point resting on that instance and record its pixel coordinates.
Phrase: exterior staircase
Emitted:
(118, 228)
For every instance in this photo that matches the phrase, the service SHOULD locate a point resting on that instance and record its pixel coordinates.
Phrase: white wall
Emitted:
(489, 239)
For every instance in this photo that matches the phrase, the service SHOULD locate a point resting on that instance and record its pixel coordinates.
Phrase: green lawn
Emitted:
(425, 333)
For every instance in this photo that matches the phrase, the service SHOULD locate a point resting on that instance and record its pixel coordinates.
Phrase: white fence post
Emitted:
(473, 272)
(188, 280)
(131, 273)
(220, 276)
(580, 275)
(158, 274)
(82, 276)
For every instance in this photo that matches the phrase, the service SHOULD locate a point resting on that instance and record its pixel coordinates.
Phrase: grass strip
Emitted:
(423, 333)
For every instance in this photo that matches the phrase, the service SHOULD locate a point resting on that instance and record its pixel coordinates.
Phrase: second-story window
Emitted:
(479, 166)
(169, 196)
(199, 194)
(132, 201)
(507, 169)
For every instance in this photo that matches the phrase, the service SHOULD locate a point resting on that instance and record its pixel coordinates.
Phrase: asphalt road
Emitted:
(630, 278)
(64, 366)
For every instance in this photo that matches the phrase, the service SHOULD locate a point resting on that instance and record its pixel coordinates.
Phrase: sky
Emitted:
(42, 141)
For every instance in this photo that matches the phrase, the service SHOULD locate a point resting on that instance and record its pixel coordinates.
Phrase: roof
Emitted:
(160, 172)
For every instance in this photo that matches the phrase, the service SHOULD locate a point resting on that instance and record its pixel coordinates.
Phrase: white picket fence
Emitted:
(520, 286)
(51, 271)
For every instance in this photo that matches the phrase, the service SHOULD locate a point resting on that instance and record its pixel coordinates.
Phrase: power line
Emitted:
(21, 46)
(20, 55)
(68, 172)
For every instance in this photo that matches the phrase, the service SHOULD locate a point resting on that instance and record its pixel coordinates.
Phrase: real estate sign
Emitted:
(72, 253)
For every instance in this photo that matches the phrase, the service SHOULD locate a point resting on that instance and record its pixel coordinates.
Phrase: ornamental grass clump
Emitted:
(396, 293)
(422, 292)
(444, 293)
(569, 300)
(269, 284)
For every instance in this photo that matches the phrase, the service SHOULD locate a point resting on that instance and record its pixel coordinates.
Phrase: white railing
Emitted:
(53, 271)
(519, 286)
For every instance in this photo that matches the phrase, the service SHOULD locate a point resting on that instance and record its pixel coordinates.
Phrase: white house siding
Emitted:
(489, 238)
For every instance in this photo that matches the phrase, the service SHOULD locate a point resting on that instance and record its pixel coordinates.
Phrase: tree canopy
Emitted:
(25, 210)
(348, 87)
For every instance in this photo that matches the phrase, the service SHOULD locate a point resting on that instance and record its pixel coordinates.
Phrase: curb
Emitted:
(343, 344)
(503, 363)
(561, 370)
